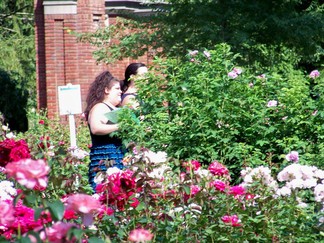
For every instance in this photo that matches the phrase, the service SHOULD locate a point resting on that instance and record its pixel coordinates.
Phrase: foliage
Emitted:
(17, 61)
(207, 108)
(179, 25)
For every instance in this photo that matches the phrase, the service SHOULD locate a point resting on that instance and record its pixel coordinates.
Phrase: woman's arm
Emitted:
(98, 122)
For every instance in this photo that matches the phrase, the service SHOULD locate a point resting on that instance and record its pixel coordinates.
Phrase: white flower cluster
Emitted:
(203, 173)
(299, 176)
(319, 192)
(7, 190)
(156, 158)
(260, 174)
(78, 153)
(158, 173)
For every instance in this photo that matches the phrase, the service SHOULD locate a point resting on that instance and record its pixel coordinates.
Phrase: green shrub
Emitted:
(196, 110)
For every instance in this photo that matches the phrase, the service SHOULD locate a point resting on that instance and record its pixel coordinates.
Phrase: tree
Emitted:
(248, 26)
(17, 61)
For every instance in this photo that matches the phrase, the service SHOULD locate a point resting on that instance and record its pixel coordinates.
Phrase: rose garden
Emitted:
(216, 153)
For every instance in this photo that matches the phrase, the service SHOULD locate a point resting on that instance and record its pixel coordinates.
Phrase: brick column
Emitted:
(64, 59)
(61, 59)
(40, 54)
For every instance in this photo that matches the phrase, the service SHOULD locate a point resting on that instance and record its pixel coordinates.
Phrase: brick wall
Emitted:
(60, 58)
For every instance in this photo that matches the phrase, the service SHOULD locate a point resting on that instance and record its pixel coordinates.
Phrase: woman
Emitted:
(128, 85)
(107, 150)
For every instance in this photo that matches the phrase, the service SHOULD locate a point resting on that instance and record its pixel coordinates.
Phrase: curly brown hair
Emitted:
(96, 93)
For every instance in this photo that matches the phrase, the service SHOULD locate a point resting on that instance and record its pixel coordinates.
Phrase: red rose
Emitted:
(18, 153)
(11, 150)
(7, 144)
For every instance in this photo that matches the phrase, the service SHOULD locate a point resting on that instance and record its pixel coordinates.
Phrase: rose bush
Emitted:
(192, 202)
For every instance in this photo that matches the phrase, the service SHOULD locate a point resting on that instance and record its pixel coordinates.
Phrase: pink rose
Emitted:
(85, 205)
(6, 213)
(194, 189)
(57, 233)
(192, 165)
(193, 53)
(314, 74)
(218, 185)
(232, 74)
(69, 214)
(232, 220)
(261, 76)
(272, 103)
(238, 71)
(218, 169)
(105, 210)
(207, 54)
(292, 156)
(29, 173)
(82, 203)
(140, 235)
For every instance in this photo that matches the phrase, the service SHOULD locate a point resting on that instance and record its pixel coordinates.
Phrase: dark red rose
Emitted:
(19, 152)
(11, 150)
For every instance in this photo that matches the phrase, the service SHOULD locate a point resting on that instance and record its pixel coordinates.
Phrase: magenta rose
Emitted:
(218, 169)
(237, 191)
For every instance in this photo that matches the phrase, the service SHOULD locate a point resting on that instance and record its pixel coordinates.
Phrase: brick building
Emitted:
(60, 58)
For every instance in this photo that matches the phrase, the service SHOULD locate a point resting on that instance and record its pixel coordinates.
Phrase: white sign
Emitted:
(70, 104)
(69, 99)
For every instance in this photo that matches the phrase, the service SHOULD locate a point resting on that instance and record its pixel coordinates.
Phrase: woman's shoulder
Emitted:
(100, 107)
(127, 94)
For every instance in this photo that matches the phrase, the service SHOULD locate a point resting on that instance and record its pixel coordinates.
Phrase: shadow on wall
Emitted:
(13, 103)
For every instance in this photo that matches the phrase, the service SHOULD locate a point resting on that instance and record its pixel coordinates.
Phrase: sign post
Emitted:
(70, 104)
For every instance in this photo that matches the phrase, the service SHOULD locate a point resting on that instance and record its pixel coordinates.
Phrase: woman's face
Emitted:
(141, 71)
(114, 94)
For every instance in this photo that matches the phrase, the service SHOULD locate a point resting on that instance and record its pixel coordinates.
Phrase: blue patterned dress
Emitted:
(106, 151)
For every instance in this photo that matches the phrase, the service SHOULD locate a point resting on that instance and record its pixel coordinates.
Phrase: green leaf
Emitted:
(95, 240)
(141, 206)
(24, 240)
(186, 189)
(113, 115)
(57, 210)
(37, 213)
